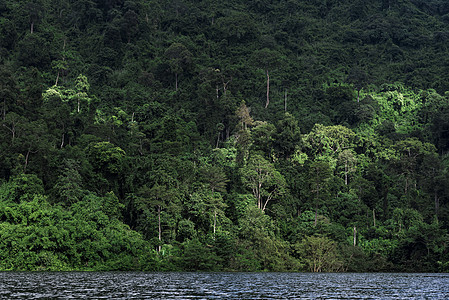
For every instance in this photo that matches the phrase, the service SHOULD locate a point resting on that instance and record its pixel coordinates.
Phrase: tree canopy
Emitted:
(224, 135)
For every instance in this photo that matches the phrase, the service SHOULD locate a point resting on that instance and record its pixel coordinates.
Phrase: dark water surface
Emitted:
(135, 285)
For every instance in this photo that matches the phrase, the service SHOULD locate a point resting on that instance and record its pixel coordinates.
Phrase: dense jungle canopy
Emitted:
(234, 135)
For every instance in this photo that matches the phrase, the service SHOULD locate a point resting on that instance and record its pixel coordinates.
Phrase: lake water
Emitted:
(135, 285)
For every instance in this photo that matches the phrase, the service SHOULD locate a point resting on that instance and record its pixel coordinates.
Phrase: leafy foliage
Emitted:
(233, 135)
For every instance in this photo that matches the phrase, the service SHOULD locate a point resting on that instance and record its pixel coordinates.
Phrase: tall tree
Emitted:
(267, 60)
(262, 178)
(179, 58)
(319, 176)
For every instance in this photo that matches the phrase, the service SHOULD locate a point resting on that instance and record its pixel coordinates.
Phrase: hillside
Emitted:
(224, 135)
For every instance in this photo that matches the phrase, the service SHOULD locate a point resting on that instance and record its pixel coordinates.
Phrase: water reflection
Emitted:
(135, 285)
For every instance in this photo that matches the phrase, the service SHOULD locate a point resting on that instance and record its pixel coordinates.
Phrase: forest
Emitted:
(235, 135)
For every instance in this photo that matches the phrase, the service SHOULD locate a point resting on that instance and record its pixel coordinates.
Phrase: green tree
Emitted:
(69, 185)
(288, 136)
(267, 60)
(319, 176)
(319, 254)
(8, 90)
(348, 160)
(262, 178)
(179, 59)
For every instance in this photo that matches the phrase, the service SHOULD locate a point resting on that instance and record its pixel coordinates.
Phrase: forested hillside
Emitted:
(236, 135)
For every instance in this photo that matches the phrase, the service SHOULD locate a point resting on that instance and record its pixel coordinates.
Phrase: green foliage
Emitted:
(265, 182)
(106, 156)
(319, 254)
(140, 135)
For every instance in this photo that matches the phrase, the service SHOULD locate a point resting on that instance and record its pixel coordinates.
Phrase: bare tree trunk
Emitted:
(176, 81)
(316, 203)
(57, 79)
(13, 131)
(285, 100)
(346, 173)
(355, 236)
(225, 85)
(160, 228)
(26, 160)
(268, 90)
(32, 27)
(62, 141)
(215, 220)
(374, 218)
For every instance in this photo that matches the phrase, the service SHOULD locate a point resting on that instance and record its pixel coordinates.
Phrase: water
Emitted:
(135, 285)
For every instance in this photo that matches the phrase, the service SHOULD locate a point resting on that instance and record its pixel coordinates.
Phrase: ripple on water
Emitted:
(137, 285)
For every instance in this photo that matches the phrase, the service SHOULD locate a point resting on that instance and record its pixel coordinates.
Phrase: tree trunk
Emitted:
(215, 220)
(268, 90)
(160, 228)
(346, 173)
(62, 141)
(285, 100)
(355, 236)
(437, 205)
(316, 204)
(374, 218)
(176, 81)
(32, 27)
(26, 161)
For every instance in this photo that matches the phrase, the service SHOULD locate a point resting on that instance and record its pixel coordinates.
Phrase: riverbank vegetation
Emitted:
(224, 135)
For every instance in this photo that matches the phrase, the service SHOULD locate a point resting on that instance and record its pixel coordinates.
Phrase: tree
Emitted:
(8, 90)
(263, 136)
(77, 97)
(319, 254)
(349, 160)
(358, 78)
(33, 50)
(217, 180)
(319, 175)
(329, 139)
(159, 196)
(34, 9)
(260, 249)
(68, 187)
(236, 27)
(8, 33)
(80, 92)
(411, 153)
(288, 136)
(179, 58)
(265, 182)
(243, 113)
(267, 60)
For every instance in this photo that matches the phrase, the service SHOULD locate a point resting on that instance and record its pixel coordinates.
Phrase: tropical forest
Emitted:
(233, 135)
